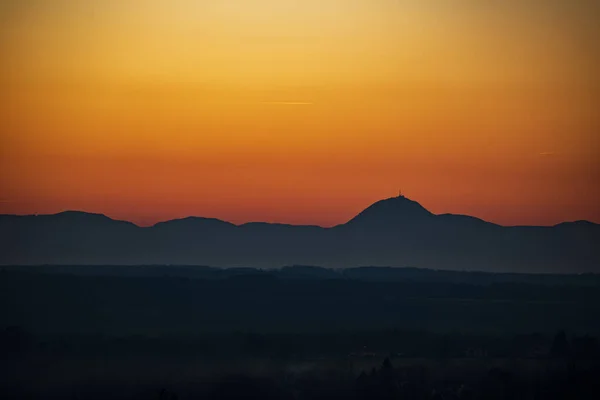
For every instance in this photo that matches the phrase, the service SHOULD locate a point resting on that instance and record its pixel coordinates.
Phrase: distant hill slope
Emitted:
(395, 231)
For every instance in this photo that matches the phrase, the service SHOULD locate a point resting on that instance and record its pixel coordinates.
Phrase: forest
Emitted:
(299, 332)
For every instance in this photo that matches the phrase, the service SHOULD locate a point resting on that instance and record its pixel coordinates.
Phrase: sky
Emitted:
(300, 111)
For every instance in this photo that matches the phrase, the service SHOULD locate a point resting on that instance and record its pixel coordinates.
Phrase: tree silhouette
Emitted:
(560, 345)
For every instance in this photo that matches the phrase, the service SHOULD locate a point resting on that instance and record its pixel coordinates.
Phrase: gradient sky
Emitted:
(300, 111)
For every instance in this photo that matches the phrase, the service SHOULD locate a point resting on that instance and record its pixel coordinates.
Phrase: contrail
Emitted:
(288, 103)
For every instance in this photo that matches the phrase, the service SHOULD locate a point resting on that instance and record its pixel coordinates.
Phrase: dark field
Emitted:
(154, 301)
(297, 333)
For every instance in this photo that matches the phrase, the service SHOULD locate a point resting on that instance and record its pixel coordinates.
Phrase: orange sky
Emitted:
(300, 111)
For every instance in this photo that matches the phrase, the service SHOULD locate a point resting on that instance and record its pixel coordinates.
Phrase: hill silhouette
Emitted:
(391, 232)
(393, 213)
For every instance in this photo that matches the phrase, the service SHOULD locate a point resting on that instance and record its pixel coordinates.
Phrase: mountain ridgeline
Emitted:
(392, 232)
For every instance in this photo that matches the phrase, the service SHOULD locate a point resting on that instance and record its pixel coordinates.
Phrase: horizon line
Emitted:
(285, 223)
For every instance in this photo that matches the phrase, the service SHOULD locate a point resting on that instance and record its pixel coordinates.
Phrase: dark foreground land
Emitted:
(296, 333)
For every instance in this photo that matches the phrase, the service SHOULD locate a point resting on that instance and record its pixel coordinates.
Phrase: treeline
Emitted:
(558, 375)
(372, 274)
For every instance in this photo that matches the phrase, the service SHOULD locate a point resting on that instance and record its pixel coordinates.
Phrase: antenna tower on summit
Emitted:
(400, 193)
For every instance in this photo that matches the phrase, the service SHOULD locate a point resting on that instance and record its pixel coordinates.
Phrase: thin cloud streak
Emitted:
(288, 103)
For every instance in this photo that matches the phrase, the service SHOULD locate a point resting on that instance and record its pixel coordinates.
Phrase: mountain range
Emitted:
(391, 232)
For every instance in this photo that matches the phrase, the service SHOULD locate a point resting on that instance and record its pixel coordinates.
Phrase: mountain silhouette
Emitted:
(391, 232)
(393, 213)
